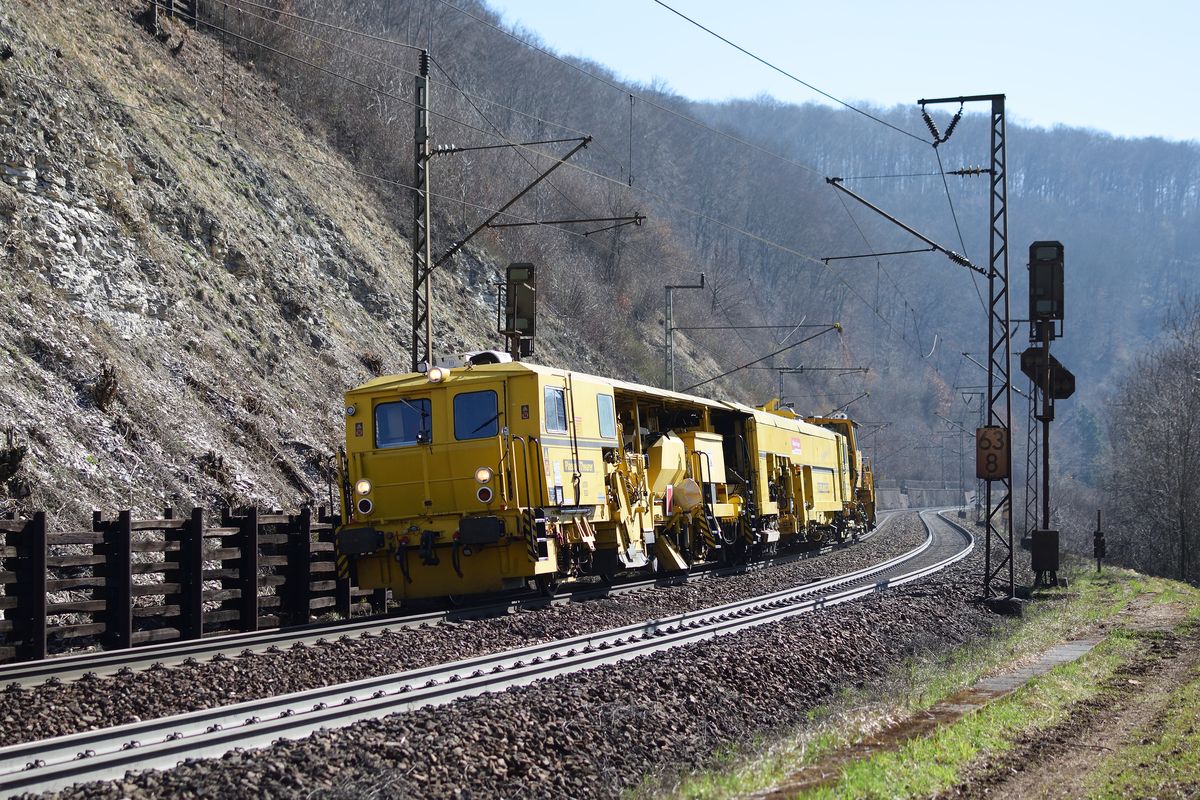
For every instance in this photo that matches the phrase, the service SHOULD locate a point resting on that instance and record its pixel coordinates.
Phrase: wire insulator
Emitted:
(933, 128)
(424, 63)
(952, 125)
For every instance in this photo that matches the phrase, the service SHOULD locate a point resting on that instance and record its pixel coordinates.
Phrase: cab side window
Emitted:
(476, 415)
(403, 422)
(607, 415)
(556, 409)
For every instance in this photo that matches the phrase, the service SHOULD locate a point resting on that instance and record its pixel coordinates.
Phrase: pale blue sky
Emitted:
(1131, 69)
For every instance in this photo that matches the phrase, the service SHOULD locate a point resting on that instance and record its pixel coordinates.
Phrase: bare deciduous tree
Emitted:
(1153, 466)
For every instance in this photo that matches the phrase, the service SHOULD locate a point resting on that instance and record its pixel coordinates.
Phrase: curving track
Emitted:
(163, 743)
(69, 668)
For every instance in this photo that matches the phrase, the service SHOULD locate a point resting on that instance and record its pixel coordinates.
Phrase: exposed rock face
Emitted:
(163, 215)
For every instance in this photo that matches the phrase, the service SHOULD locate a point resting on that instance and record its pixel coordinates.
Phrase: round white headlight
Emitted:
(363, 486)
(437, 374)
(483, 474)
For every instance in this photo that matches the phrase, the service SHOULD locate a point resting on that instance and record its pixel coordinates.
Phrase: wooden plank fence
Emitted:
(130, 582)
(186, 10)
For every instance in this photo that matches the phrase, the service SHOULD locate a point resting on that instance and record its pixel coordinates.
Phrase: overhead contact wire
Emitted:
(679, 206)
(495, 127)
(570, 165)
(599, 176)
(398, 68)
(452, 83)
(642, 98)
(787, 74)
(480, 98)
(954, 216)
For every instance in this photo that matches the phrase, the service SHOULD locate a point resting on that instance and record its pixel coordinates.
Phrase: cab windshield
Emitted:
(403, 422)
(476, 415)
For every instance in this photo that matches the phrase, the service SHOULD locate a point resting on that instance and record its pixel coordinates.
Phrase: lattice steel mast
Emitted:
(998, 568)
(422, 257)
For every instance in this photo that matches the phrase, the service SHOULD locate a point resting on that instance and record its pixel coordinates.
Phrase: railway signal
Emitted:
(1061, 380)
(520, 309)
(1052, 379)
(1046, 281)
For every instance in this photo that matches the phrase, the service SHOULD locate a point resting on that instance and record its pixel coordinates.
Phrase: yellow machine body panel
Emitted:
(809, 457)
(666, 463)
(859, 483)
(708, 450)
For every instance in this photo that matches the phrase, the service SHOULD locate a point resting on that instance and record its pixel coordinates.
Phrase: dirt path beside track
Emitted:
(1061, 761)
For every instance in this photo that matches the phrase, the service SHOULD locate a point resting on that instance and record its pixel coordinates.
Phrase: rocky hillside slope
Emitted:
(190, 277)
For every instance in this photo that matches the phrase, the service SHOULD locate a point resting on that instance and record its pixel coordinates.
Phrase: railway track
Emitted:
(162, 743)
(74, 667)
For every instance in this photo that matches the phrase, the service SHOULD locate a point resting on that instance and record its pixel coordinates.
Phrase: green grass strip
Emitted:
(936, 761)
(929, 764)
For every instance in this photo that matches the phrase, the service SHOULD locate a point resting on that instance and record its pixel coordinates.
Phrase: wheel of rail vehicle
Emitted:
(733, 553)
(547, 585)
(605, 566)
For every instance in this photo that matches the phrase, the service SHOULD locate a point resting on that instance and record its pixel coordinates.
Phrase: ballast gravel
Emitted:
(600, 732)
(56, 710)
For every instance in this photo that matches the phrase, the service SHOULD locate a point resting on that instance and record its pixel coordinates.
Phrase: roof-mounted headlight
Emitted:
(438, 374)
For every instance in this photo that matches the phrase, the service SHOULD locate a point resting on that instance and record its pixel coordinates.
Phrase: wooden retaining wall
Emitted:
(128, 582)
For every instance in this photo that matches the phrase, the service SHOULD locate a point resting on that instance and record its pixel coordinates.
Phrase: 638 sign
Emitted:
(991, 453)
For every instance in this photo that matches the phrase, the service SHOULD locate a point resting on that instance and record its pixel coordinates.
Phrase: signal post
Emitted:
(1052, 379)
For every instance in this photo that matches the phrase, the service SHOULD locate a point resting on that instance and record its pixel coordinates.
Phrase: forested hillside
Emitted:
(737, 191)
(310, 172)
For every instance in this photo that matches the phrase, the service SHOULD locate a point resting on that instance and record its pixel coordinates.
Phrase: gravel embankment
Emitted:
(600, 732)
(48, 711)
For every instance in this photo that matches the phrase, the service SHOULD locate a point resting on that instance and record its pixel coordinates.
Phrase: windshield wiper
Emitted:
(486, 422)
(419, 412)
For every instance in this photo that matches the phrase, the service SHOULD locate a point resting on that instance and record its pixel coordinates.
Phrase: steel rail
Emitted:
(163, 743)
(64, 669)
